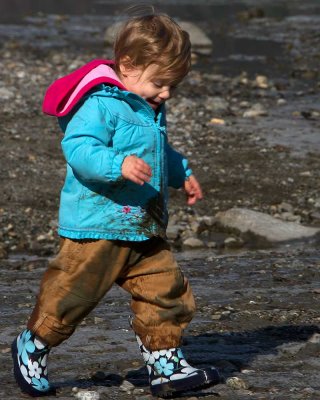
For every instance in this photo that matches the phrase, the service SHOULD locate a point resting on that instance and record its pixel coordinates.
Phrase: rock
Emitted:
(315, 338)
(138, 391)
(127, 386)
(87, 395)
(6, 94)
(291, 348)
(257, 110)
(217, 104)
(285, 207)
(207, 220)
(217, 121)
(263, 225)
(200, 42)
(232, 243)
(173, 231)
(193, 242)
(236, 383)
(261, 82)
(281, 102)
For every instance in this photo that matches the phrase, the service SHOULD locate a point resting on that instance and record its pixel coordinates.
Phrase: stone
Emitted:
(291, 348)
(230, 242)
(261, 82)
(315, 338)
(193, 242)
(263, 225)
(236, 383)
(217, 121)
(257, 110)
(127, 387)
(173, 231)
(216, 104)
(281, 102)
(6, 94)
(87, 395)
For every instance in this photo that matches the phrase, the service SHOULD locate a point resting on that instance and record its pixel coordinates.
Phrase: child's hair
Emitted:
(154, 39)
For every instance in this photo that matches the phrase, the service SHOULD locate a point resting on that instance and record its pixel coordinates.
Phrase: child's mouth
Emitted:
(153, 103)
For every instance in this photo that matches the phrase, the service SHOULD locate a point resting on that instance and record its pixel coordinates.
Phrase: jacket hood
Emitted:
(64, 93)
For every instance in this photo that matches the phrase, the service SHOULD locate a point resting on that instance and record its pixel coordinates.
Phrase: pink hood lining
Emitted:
(64, 93)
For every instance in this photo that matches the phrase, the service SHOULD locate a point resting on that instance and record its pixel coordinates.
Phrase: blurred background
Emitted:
(236, 43)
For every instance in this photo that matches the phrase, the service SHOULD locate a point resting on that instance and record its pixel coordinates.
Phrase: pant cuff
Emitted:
(50, 330)
(158, 338)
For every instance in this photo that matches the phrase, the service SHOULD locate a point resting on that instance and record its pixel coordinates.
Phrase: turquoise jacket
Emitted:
(96, 201)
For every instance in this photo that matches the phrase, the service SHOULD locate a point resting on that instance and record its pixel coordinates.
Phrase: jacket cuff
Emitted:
(188, 173)
(187, 169)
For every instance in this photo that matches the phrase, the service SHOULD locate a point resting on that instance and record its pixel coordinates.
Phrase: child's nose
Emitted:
(165, 94)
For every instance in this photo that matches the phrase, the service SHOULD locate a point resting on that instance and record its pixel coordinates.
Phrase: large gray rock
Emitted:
(200, 42)
(263, 225)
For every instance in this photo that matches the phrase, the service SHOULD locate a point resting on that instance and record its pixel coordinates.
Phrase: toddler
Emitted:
(113, 208)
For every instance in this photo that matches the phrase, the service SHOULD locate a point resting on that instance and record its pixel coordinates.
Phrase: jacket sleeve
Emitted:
(178, 169)
(87, 144)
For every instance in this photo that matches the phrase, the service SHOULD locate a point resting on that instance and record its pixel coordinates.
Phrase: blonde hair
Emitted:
(154, 39)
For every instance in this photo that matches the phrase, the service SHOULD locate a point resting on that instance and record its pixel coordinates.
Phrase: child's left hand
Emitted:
(193, 190)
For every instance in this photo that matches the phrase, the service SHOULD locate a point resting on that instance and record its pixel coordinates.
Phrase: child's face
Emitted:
(146, 84)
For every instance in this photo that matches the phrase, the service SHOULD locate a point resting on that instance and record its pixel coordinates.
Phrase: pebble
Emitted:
(216, 104)
(236, 383)
(193, 242)
(87, 395)
(291, 348)
(281, 102)
(231, 242)
(6, 350)
(217, 121)
(256, 110)
(261, 82)
(6, 94)
(138, 391)
(315, 338)
(127, 387)
(173, 232)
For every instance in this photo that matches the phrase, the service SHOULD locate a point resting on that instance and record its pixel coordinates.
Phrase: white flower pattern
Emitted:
(34, 369)
(32, 361)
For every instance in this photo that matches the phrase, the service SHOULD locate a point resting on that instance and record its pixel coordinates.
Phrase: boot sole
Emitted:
(21, 382)
(208, 377)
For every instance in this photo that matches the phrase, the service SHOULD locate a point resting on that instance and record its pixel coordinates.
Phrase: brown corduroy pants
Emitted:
(84, 271)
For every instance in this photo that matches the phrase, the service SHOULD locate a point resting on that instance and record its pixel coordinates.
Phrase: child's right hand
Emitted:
(136, 170)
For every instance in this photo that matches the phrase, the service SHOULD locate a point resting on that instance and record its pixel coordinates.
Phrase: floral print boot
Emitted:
(169, 372)
(30, 364)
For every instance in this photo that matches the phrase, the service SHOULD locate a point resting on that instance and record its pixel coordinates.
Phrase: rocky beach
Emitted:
(248, 118)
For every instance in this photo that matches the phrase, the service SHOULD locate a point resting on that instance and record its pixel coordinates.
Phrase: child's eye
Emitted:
(157, 84)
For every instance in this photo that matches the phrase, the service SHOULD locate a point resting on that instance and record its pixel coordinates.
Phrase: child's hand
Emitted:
(193, 190)
(136, 170)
